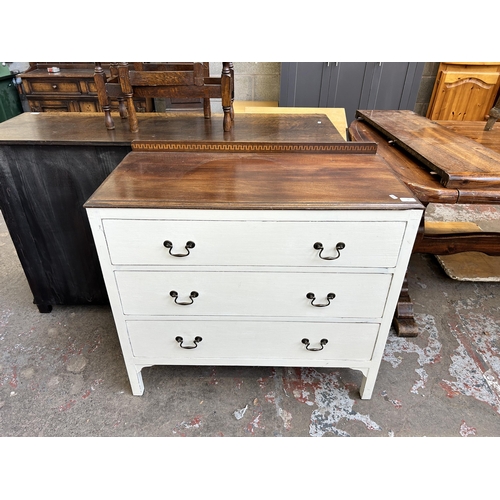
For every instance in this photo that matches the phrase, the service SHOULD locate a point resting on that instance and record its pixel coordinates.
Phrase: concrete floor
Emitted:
(62, 373)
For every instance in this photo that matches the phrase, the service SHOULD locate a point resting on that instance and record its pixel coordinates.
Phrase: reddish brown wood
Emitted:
(459, 161)
(404, 318)
(100, 81)
(234, 181)
(424, 184)
(86, 128)
(189, 81)
(476, 132)
(381, 127)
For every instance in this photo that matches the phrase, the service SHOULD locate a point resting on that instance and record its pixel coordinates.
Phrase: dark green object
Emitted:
(10, 104)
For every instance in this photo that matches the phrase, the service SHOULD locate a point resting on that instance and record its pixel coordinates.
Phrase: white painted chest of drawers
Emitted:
(238, 276)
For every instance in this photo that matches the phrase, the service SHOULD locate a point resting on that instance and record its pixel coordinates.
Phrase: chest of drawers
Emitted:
(259, 260)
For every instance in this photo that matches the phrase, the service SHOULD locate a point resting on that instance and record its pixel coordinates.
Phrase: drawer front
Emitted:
(236, 341)
(55, 87)
(365, 244)
(253, 294)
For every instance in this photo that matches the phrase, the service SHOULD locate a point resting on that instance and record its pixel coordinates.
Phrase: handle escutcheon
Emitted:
(338, 247)
(322, 343)
(168, 244)
(192, 296)
(196, 341)
(312, 298)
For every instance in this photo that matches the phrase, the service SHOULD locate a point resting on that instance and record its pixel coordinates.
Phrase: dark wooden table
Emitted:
(51, 163)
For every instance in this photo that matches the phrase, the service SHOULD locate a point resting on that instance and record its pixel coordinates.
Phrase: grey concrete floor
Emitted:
(62, 373)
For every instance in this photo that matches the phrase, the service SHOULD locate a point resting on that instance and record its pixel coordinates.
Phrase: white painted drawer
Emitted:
(233, 342)
(253, 293)
(263, 243)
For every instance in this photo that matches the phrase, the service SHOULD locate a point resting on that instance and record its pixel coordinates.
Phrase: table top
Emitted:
(476, 132)
(272, 181)
(89, 129)
(460, 161)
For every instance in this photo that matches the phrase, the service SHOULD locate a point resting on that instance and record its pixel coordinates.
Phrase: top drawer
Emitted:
(249, 243)
(52, 87)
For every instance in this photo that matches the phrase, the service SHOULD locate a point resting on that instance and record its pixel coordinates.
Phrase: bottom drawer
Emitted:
(232, 341)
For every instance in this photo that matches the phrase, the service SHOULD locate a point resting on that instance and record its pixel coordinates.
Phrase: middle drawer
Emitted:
(228, 293)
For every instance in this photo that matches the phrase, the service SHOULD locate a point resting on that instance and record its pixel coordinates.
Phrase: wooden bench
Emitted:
(439, 166)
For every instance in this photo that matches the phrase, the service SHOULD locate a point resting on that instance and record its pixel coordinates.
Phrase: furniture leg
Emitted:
(44, 308)
(128, 92)
(404, 319)
(135, 378)
(207, 111)
(231, 69)
(100, 83)
(368, 383)
(226, 84)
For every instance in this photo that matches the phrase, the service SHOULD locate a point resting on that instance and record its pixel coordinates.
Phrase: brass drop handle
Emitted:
(338, 247)
(196, 341)
(312, 298)
(168, 244)
(322, 343)
(192, 296)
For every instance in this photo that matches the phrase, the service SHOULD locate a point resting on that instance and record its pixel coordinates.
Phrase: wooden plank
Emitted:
(460, 161)
(422, 181)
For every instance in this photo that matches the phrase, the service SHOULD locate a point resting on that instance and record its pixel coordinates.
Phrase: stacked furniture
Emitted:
(50, 163)
(440, 164)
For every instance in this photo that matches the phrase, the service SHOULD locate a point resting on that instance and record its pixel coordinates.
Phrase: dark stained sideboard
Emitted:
(51, 163)
(71, 89)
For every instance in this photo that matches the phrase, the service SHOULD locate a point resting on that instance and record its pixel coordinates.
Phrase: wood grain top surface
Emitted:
(253, 181)
(89, 129)
(476, 132)
(461, 162)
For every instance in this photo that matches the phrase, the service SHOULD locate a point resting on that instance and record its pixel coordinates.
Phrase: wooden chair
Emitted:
(108, 89)
(171, 80)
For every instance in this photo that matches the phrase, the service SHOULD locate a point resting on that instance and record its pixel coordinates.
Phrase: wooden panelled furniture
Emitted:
(71, 89)
(269, 254)
(464, 91)
(440, 164)
(164, 80)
